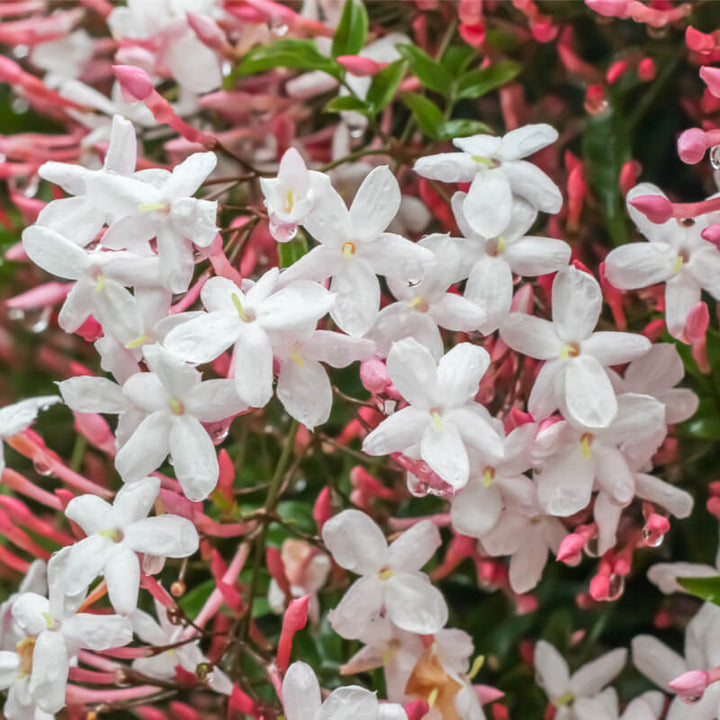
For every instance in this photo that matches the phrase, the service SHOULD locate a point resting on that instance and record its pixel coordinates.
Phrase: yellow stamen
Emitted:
(501, 244)
(297, 358)
(238, 306)
(488, 476)
(386, 574)
(348, 249)
(482, 160)
(432, 697)
(415, 301)
(289, 201)
(437, 420)
(585, 445)
(48, 619)
(137, 342)
(152, 206)
(477, 664)
(112, 534)
(388, 655)
(176, 406)
(564, 700)
(569, 350)
(678, 264)
(100, 283)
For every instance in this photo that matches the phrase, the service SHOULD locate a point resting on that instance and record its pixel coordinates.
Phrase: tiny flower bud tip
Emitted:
(711, 233)
(10, 71)
(690, 686)
(646, 70)
(358, 65)
(417, 709)
(691, 146)
(698, 41)
(711, 77)
(133, 80)
(570, 546)
(609, 8)
(374, 375)
(656, 208)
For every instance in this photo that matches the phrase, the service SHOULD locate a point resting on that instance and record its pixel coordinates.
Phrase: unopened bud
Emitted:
(711, 77)
(133, 80)
(691, 146)
(178, 588)
(656, 208)
(646, 70)
(690, 686)
(358, 65)
(699, 41)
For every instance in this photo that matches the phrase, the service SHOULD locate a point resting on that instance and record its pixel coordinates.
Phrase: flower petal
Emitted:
(527, 564)
(91, 513)
(551, 669)
(488, 205)
(414, 547)
(358, 608)
(355, 542)
(349, 703)
(527, 140)
(375, 205)
(203, 338)
(589, 398)
(163, 536)
(253, 365)
(50, 667)
(592, 677)
(459, 373)
(414, 604)
(443, 450)
(301, 693)
(122, 575)
(193, 455)
(530, 182)
(305, 392)
(531, 256)
(397, 432)
(447, 167)
(531, 336)
(576, 304)
(615, 348)
(638, 265)
(413, 371)
(146, 449)
(357, 297)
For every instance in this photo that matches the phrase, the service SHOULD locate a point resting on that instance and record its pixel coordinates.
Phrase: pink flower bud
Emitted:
(711, 77)
(699, 41)
(322, 510)
(374, 375)
(417, 709)
(294, 619)
(570, 548)
(690, 686)
(646, 70)
(487, 694)
(629, 175)
(207, 31)
(133, 80)
(609, 8)
(656, 208)
(691, 146)
(10, 71)
(600, 587)
(712, 234)
(358, 65)
(616, 71)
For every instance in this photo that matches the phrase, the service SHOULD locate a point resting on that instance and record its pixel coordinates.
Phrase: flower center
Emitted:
(289, 201)
(488, 476)
(487, 162)
(564, 700)
(113, 533)
(176, 407)
(585, 442)
(420, 304)
(436, 417)
(146, 207)
(244, 316)
(348, 249)
(295, 355)
(497, 247)
(682, 257)
(25, 649)
(569, 350)
(386, 573)
(137, 342)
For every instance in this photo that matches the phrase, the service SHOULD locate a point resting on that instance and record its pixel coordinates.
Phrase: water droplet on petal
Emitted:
(651, 539)
(43, 465)
(591, 547)
(277, 25)
(691, 700)
(596, 106)
(283, 232)
(616, 586)
(715, 157)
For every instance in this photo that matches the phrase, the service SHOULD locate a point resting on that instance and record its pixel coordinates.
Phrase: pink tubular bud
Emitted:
(207, 31)
(691, 146)
(417, 709)
(656, 209)
(711, 77)
(646, 70)
(609, 8)
(10, 71)
(374, 375)
(699, 41)
(600, 588)
(133, 80)
(360, 66)
(616, 71)
(697, 323)
(294, 619)
(570, 548)
(712, 234)
(656, 527)
(690, 686)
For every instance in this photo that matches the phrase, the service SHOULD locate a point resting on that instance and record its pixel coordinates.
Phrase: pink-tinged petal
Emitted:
(414, 604)
(355, 542)
(527, 140)
(490, 286)
(447, 167)
(91, 513)
(527, 564)
(530, 182)
(163, 536)
(134, 501)
(375, 205)
(474, 424)
(442, 448)
(96, 632)
(176, 259)
(397, 432)
(551, 669)
(350, 703)
(531, 256)
(673, 499)
(476, 508)
(488, 205)
(398, 321)
(613, 474)
(413, 371)
(458, 313)
(189, 175)
(203, 338)
(195, 219)
(55, 253)
(357, 296)
(358, 608)
(606, 514)
(639, 265)
(304, 390)
(576, 304)
(414, 547)
(565, 481)
(638, 428)
(73, 218)
(459, 373)
(329, 222)
(592, 677)
(531, 336)
(681, 295)
(507, 535)
(659, 369)
(615, 348)
(396, 257)
(20, 415)
(122, 575)
(301, 693)
(146, 449)
(193, 455)
(131, 230)
(589, 398)
(194, 66)
(214, 400)
(253, 365)
(656, 660)
(50, 666)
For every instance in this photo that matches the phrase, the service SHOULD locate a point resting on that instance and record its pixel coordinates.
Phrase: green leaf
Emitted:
(348, 102)
(430, 73)
(706, 429)
(291, 251)
(191, 603)
(290, 53)
(706, 588)
(456, 59)
(426, 113)
(462, 128)
(385, 84)
(606, 147)
(476, 83)
(350, 35)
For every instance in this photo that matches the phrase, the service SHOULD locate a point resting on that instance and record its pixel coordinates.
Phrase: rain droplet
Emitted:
(41, 324)
(591, 547)
(691, 700)
(20, 105)
(283, 232)
(277, 25)
(21, 51)
(652, 539)
(43, 465)
(16, 314)
(413, 273)
(616, 586)
(715, 157)
(596, 106)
